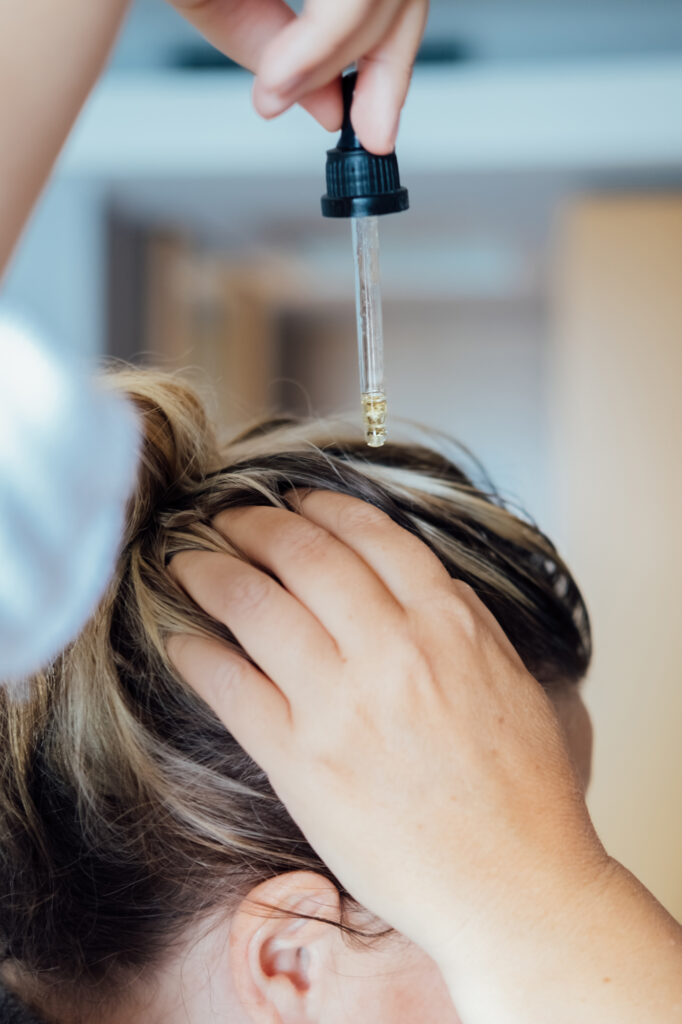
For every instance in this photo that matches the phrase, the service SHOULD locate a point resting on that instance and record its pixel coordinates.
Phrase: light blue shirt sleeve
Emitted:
(68, 454)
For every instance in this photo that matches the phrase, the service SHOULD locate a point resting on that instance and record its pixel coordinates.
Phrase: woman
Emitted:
(149, 872)
(148, 869)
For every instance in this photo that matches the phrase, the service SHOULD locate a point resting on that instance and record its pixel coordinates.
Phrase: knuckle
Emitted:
(179, 650)
(429, 562)
(468, 621)
(308, 542)
(248, 591)
(414, 665)
(361, 516)
(227, 673)
(464, 591)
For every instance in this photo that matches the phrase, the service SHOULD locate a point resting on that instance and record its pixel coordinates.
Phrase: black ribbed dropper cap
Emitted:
(360, 183)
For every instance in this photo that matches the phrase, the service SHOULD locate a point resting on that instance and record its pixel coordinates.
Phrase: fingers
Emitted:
(284, 639)
(299, 59)
(242, 29)
(483, 616)
(382, 36)
(384, 78)
(246, 702)
(324, 574)
(315, 48)
(405, 565)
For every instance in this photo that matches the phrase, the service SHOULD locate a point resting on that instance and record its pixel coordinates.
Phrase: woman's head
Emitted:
(131, 821)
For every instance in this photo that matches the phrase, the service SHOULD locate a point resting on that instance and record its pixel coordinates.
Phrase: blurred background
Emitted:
(532, 300)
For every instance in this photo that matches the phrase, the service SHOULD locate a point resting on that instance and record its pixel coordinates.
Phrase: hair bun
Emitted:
(178, 448)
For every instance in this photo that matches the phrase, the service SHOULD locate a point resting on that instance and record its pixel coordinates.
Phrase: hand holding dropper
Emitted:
(363, 186)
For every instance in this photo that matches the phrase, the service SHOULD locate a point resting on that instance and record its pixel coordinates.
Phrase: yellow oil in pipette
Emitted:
(374, 418)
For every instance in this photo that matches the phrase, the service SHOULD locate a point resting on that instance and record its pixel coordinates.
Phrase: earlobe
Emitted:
(282, 965)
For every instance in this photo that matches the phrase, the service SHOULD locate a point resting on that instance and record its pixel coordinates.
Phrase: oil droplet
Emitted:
(374, 418)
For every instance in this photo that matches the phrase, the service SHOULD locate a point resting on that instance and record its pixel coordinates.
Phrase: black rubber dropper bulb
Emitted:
(364, 186)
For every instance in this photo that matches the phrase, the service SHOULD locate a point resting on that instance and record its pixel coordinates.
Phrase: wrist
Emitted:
(524, 905)
(596, 948)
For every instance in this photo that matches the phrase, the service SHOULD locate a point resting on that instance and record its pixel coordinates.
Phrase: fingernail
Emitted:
(380, 114)
(391, 138)
(390, 133)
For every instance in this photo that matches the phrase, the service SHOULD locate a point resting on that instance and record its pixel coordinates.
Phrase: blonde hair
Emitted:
(127, 811)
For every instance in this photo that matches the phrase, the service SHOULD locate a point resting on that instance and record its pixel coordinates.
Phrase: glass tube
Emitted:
(370, 328)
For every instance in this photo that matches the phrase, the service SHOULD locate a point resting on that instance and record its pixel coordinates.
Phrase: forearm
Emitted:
(51, 54)
(610, 954)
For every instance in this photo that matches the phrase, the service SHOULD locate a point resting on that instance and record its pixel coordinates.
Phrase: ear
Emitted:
(283, 965)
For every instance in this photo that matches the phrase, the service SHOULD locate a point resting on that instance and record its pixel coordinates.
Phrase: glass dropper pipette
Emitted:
(364, 186)
(365, 234)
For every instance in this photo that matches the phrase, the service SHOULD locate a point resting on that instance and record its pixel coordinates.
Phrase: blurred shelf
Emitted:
(596, 115)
